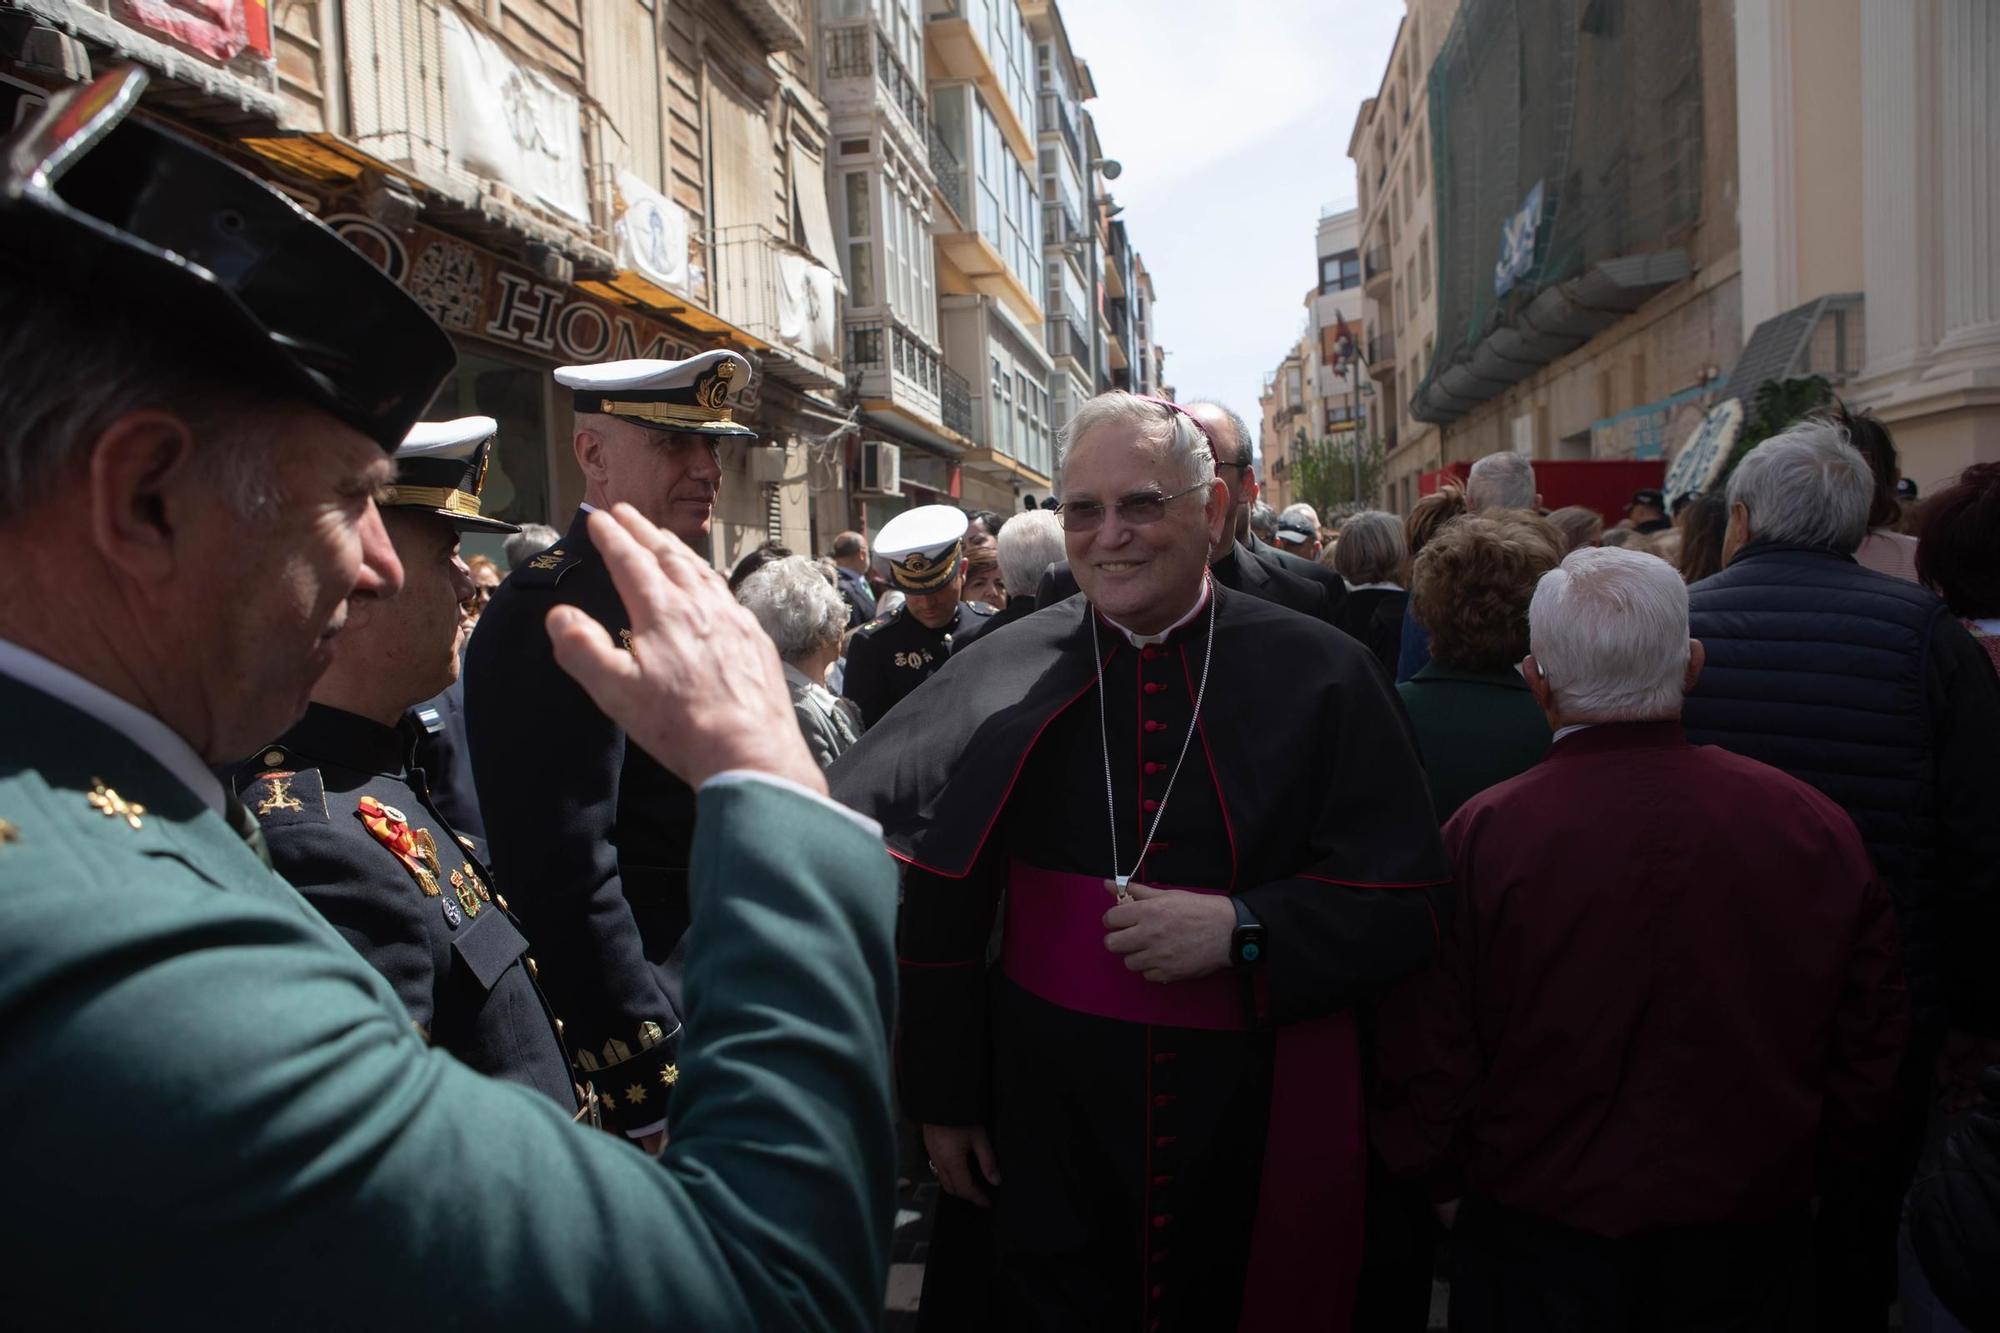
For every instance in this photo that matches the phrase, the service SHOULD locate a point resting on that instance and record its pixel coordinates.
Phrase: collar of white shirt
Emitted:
(1569, 730)
(1141, 640)
(144, 730)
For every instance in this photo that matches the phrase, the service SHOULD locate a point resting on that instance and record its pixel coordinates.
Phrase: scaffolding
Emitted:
(1566, 145)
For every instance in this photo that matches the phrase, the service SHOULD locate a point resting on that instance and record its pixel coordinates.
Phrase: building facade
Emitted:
(1589, 303)
(851, 193)
(556, 182)
(1391, 150)
(1866, 131)
(1321, 389)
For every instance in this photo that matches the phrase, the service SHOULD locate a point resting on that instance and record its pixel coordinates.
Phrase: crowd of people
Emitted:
(1239, 915)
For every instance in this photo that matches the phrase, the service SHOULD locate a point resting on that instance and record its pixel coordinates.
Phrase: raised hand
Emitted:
(699, 686)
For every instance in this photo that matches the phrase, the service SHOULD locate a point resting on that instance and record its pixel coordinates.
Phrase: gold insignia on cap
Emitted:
(9, 832)
(714, 390)
(669, 1075)
(635, 1093)
(272, 758)
(112, 805)
(917, 563)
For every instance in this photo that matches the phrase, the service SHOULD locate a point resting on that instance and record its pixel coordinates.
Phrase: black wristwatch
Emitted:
(1246, 942)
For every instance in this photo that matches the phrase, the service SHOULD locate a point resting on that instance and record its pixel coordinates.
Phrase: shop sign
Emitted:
(476, 293)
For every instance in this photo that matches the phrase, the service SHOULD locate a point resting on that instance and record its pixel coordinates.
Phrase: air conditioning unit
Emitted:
(881, 468)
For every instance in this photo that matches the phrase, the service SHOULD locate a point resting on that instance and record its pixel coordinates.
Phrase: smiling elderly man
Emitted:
(1163, 1067)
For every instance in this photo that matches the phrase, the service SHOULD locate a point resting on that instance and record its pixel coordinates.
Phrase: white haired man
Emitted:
(1030, 544)
(806, 620)
(1638, 1050)
(1167, 1077)
(1866, 686)
(199, 388)
(1501, 481)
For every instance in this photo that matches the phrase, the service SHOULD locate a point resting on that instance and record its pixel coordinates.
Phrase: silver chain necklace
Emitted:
(1104, 736)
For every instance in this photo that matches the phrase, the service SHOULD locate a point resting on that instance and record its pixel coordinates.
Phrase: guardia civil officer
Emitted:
(352, 821)
(924, 549)
(218, 1115)
(589, 833)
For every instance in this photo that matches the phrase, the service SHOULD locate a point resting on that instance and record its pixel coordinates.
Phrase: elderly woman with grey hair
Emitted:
(805, 617)
(1370, 556)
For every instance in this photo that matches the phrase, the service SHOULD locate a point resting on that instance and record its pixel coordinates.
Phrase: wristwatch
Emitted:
(1246, 942)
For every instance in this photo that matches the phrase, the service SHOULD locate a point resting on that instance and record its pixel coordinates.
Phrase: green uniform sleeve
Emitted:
(219, 1116)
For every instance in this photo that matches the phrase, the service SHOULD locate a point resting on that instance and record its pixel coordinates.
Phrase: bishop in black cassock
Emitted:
(1182, 1154)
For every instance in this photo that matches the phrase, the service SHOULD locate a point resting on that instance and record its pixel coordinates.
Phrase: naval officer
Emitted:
(355, 825)
(924, 551)
(589, 833)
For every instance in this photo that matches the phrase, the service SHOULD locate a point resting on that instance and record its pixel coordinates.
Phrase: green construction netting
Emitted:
(1596, 105)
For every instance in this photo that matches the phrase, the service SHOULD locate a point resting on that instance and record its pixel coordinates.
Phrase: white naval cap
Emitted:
(690, 395)
(922, 546)
(456, 438)
(441, 467)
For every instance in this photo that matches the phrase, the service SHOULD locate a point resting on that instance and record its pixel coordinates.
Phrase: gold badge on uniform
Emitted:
(466, 897)
(113, 806)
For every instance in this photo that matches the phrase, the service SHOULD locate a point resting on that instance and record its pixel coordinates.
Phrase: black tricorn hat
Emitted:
(134, 216)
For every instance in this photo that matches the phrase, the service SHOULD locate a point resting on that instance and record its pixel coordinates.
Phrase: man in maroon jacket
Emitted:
(1668, 1006)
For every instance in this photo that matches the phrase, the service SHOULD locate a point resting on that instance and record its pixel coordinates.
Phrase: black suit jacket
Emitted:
(1238, 570)
(590, 835)
(1330, 584)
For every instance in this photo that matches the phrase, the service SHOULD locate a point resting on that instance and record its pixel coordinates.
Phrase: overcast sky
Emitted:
(1232, 123)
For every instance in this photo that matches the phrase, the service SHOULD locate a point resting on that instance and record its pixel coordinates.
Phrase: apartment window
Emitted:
(1424, 260)
(993, 158)
(1423, 159)
(1396, 301)
(1407, 192)
(1341, 272)
(1003, 409)
(860, 241)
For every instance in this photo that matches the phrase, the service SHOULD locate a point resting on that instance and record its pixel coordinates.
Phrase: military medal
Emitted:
(393, 831)
(478, 884)
(466, 897)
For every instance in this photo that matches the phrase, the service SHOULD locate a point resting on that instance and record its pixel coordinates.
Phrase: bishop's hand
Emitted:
(1170, 934)
(700, 688)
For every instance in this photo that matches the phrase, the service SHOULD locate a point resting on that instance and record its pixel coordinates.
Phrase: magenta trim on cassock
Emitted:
(1305, 1254)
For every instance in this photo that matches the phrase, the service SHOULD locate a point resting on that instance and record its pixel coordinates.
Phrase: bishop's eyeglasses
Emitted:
(1135, 510)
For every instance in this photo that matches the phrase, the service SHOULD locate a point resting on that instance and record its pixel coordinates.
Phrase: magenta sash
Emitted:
(1305, 1256)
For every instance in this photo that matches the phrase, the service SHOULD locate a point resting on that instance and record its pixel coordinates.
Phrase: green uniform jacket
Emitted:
(1474, 729)
(217, 1115)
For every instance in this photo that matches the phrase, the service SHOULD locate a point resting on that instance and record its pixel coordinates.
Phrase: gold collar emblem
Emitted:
(280, 796)
(110, 804)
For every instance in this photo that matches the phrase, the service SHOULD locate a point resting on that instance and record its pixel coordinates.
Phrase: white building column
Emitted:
(1970, 85)
(1900, 243)
(1764, 153)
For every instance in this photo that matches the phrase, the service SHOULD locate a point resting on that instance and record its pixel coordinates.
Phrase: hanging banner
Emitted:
(652, 232)
(218, 29)
(509, 123)
(477, 294)
(807, 312)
